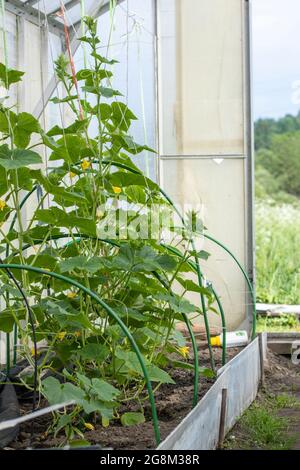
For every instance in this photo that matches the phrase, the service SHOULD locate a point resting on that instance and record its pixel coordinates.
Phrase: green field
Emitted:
(278, 253)
(278, 210)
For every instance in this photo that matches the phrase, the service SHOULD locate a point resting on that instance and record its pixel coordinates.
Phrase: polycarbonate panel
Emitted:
(10, 54)
(216, 189)
(54, 112)
(32, 63)
(201, 76)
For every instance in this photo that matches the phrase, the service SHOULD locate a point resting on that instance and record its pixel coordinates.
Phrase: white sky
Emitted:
(276, 56)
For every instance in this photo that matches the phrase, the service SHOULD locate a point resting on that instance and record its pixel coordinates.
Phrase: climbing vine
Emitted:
(90, 217)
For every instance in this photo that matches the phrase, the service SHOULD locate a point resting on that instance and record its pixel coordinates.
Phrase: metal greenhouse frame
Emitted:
(35, 12)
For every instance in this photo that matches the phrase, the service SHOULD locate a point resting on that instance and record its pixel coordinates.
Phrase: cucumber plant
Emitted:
(91, 222)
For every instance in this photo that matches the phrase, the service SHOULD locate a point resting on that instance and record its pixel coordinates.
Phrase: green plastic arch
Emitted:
(113, 315)
(209, 237)
(223, 319)
(185, 317)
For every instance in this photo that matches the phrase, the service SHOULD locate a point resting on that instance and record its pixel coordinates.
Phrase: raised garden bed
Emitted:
(93, 293)
(173, 404)
(234, 390)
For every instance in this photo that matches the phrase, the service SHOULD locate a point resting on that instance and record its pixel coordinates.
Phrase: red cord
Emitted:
(68, 44)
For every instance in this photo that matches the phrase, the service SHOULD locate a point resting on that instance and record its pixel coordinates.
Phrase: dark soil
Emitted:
(173, 403)
(281, 377)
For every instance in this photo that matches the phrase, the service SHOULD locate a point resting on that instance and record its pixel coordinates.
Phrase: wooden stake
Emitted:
(222, 417)
(262, 360)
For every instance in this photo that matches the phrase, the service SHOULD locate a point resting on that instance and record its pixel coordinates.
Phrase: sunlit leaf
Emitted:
(9, 76)
(81, 263)
(132, 419)
(14, 159)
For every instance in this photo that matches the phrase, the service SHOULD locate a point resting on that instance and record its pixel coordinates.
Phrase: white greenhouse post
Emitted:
(21, 60)
(22, 89)
(250, 152)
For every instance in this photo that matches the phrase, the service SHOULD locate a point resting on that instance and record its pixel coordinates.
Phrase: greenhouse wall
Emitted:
(184, 70)
(205, 131)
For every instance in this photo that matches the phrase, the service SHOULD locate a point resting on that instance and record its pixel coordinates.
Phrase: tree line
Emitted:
(277, 152)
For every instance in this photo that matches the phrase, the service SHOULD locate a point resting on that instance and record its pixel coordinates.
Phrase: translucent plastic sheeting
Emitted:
(30, 49)
(31, 64)
(128, 35)
(52, 111)
(216, 189)
(201, 76)
(10, 27)
(11, 54)
(204, 140)
(34, 48)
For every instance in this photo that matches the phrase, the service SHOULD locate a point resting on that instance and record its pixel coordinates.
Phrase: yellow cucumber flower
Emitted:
(71, 295)
(85, 165)
(61, 335)
(89, 426)
(117, 189)
(99, 213)
(2, 204)
(184, 351)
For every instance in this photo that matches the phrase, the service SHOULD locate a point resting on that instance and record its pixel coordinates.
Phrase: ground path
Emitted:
(277, 404)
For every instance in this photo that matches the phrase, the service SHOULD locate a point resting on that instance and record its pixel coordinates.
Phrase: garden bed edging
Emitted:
(241, 376)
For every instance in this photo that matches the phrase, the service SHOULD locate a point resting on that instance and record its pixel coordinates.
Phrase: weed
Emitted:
(286, 401)
(283, 323)
(261, 427)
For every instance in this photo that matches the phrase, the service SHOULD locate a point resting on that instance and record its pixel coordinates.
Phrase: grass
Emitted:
(283, 324)
(266, 430)
(278, 254)
(262, 428)
(285, 401)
